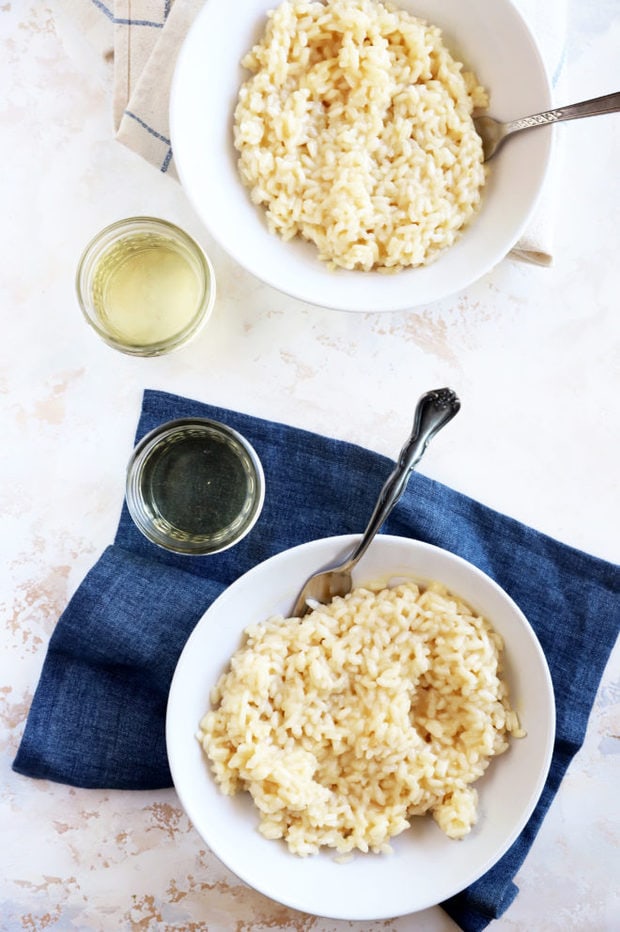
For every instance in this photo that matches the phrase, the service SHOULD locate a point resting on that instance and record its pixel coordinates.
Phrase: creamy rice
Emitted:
(376, 708)
(355, 132)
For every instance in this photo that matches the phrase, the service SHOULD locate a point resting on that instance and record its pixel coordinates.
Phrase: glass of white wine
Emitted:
(145, 286)
(195, 486)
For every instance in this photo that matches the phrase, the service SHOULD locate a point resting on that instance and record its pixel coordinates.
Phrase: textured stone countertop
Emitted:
(532, 352)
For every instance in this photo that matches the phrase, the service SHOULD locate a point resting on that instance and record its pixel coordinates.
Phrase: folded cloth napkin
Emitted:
(147, 38)
(97, 717)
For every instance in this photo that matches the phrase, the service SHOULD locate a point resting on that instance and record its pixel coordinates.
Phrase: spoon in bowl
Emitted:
(493, 132)
(433, 411)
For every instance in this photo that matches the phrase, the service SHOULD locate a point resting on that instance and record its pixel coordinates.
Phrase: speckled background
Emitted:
(533, 354)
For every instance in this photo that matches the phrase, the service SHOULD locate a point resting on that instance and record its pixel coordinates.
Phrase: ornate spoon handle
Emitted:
(433, 412)
(609, 103)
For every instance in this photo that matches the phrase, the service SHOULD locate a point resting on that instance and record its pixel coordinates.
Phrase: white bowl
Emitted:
(487, 35)
(426, 866)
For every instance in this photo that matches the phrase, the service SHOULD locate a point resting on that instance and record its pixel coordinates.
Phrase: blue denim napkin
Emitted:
(97, 718)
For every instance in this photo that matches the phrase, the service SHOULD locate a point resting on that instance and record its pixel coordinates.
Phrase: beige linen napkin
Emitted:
(147, 38)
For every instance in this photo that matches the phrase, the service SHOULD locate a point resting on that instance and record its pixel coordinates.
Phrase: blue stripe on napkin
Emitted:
(123, 21)
(97, 717)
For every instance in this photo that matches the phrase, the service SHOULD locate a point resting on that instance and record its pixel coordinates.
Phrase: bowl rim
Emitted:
(179, 682)
(303, 276)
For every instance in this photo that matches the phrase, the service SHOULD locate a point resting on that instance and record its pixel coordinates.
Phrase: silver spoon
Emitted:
(493, 133)
(433, 411)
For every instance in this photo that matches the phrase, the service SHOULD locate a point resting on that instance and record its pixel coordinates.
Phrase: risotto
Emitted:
(355, 132)
(343, 725)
